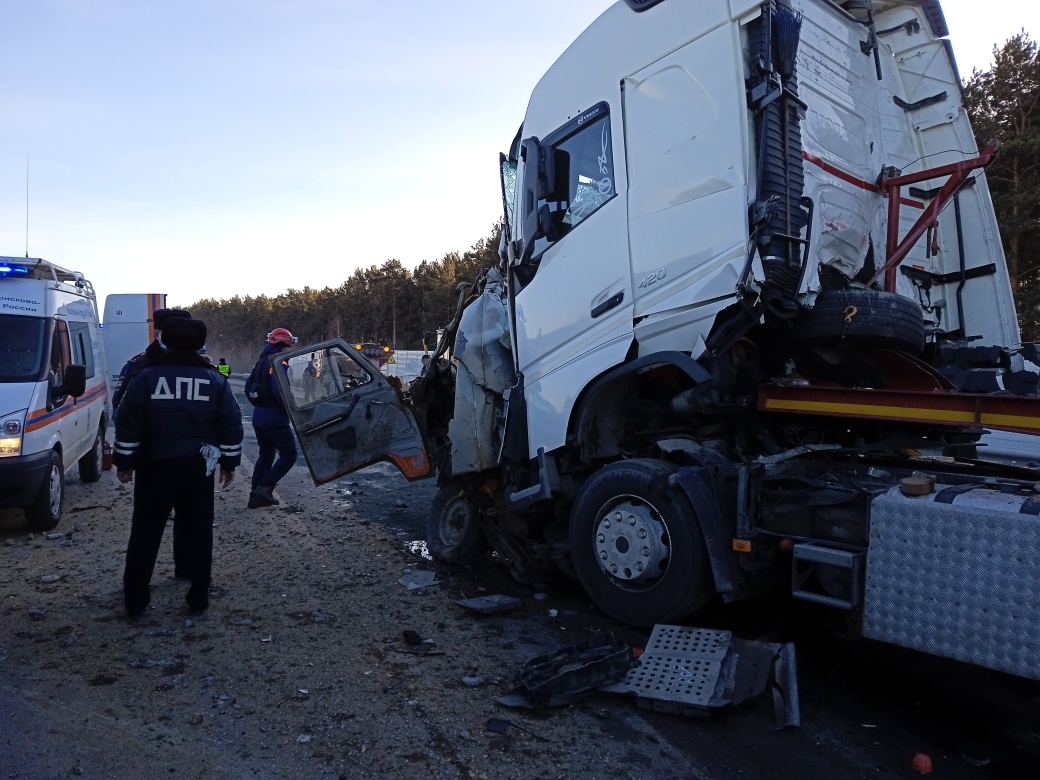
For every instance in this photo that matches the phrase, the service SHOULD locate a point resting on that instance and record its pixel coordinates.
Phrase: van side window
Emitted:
(61, 352)
(82, 347)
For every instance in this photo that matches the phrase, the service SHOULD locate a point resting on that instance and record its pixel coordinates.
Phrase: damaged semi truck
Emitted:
(750, 320)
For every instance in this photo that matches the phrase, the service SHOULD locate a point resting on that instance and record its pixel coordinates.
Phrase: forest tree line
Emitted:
(387, 304)
(391, 304)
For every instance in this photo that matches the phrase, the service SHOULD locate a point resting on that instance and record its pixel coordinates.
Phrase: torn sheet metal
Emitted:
(482, 343)
(690, 671)
(484, 371)
(471, 430)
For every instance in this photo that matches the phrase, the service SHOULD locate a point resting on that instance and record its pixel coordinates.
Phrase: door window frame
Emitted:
(600, 111)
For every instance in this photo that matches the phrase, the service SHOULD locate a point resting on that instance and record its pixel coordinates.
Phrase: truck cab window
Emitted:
(584, 162)
(507, 169)
(578, 166)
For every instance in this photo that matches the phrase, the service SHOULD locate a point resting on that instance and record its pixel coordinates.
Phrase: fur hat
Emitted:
(185, 334)
(161, 316)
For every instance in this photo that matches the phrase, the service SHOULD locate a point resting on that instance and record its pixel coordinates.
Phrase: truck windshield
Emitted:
(22, 348)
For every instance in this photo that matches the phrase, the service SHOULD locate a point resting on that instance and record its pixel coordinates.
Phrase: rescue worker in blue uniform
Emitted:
(132, 368)
(270, 420)
(178, 420)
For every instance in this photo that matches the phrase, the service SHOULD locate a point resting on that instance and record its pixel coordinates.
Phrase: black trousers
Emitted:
(159, 485)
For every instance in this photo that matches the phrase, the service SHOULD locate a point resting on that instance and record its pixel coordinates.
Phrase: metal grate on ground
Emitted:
(680, 665)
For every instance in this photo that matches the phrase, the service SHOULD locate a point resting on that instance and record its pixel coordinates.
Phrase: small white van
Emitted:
(54, 399)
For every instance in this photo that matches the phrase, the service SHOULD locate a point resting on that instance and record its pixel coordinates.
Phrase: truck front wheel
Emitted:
(453, 532)
(636, 545)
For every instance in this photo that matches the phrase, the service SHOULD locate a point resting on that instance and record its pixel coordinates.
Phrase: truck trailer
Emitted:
(750, 319)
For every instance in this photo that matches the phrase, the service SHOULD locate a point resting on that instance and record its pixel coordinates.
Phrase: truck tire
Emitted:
(876, 319)
(453, 533)
(44, 512)
(90, 464)
(654, 567)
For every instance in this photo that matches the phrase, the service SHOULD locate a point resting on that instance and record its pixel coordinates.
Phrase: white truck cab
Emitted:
(750, 320)
(54, 399)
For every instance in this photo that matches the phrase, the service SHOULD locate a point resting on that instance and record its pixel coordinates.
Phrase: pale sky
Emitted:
(207, 148)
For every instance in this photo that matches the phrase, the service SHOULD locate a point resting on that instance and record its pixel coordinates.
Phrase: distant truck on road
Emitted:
(751, 318)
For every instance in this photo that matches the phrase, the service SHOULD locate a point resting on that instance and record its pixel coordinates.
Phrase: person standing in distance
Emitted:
(132, 368)
(224, 368)
(178, 420)
(270, 420)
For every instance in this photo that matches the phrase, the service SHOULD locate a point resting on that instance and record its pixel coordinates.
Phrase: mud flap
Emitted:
(702, 486)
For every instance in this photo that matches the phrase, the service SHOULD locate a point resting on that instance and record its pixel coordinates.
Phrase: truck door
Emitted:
(686, 140)
(574, 317)
(345, 413)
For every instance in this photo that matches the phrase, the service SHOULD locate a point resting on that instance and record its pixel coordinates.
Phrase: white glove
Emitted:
(211, 455)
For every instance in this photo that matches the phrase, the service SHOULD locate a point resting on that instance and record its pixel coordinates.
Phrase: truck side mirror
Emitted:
(539, 184)
(74, 382)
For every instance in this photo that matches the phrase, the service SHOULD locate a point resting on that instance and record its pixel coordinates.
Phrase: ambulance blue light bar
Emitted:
(10, 269)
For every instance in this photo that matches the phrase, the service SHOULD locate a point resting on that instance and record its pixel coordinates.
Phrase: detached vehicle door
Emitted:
(346, 414)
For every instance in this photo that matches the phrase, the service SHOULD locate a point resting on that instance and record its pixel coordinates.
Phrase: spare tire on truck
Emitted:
(867, 318)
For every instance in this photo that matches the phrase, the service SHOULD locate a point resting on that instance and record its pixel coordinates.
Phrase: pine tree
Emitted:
(1004, 102)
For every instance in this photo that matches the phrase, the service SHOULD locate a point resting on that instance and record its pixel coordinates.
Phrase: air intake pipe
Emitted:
(778, 217)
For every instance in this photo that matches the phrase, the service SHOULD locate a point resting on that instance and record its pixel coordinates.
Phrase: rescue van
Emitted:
(54, 399)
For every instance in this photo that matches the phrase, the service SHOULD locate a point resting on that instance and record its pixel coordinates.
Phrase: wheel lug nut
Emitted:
(642, 533)
(613, 568)
(631, 519)
(601, 538)
(639, 565)
(606, 524)
(617, 516)
(602, 555)
(646, 552)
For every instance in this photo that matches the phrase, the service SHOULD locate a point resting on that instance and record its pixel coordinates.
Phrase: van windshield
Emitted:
(22, 348)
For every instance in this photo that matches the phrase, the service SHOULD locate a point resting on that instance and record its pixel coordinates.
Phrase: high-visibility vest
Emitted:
(224, 369)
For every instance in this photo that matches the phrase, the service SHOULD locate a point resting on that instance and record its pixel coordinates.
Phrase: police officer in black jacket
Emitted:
(132, 368)
(142, 360)
(178, 419)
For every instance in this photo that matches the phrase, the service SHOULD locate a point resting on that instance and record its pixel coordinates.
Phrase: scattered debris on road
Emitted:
(567, 675)
(490, 605)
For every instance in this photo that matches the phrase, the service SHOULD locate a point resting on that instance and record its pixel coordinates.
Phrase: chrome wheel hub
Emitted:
(631, 542)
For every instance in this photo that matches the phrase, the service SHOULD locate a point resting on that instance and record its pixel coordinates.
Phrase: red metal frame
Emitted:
(958, 172)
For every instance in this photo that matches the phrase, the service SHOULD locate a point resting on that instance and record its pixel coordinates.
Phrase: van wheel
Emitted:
(44, 512)
(90, 464)
(875, 319)
(636, 545)
(453, 532)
